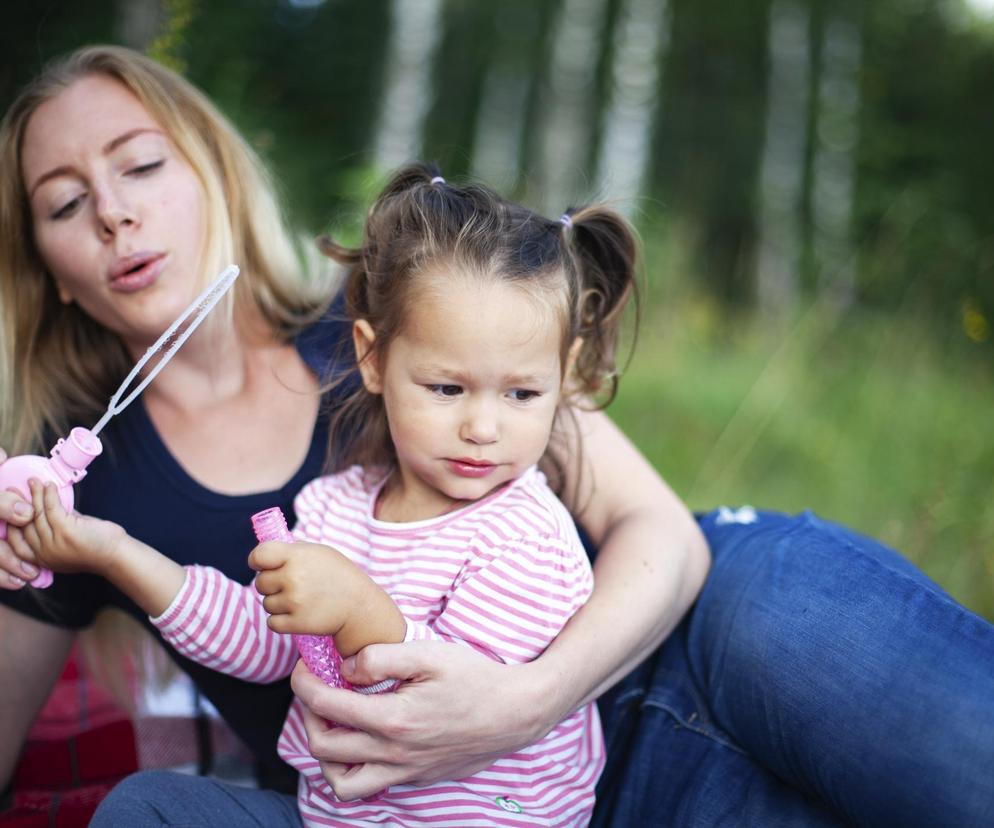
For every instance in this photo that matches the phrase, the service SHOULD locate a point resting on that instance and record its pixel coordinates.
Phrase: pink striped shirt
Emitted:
(501, 575)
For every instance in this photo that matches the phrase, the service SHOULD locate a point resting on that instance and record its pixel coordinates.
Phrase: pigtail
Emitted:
(395, 233)
(604, 250)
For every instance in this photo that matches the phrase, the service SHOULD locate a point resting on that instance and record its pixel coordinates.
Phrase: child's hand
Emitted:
(309, 588)
(61, 541)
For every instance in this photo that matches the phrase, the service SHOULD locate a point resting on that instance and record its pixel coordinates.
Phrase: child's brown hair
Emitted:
(585, 259)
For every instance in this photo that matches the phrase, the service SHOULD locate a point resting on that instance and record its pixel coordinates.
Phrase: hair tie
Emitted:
(437, 180)
(567, 222)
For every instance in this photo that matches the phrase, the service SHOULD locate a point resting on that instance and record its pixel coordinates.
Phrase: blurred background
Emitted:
(813, 182)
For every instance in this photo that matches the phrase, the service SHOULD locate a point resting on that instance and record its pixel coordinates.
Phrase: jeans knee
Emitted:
(133, 801)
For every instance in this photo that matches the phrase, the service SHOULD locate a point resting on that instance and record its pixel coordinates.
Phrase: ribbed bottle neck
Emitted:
(270, 525)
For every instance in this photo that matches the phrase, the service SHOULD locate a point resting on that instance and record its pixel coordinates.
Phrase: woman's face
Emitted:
(118, 214)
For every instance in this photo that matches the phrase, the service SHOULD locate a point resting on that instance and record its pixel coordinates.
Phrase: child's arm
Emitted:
(183, 603)
(70, 542)
(314, 589)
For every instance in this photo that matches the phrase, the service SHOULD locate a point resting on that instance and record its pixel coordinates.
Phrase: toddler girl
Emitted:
(476, 324)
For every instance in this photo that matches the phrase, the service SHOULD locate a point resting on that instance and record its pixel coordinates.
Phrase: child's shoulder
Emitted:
(528, 508)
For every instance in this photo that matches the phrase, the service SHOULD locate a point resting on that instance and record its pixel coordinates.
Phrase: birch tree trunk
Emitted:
(501, 118)
(569, 103)
(640, 40)
(406, 99)
(781, 174)
(834, 165)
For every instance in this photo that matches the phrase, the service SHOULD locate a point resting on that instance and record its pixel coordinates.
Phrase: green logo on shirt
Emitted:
(509, 805)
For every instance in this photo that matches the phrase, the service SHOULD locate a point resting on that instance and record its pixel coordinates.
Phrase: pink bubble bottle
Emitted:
(65, 466)
(318, 651)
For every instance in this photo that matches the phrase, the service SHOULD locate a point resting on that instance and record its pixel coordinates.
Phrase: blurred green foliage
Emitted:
(862, 419)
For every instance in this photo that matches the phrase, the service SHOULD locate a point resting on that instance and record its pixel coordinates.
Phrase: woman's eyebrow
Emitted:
(124, 137)
(108, 148)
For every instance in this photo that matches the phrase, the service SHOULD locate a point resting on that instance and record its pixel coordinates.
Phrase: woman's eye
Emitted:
(523, 395)
(445, 390)
(67, 209)
(145, 169)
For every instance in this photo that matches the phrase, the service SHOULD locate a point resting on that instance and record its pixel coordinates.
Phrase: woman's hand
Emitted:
(63, 541)
(456, 713)
(16, 511)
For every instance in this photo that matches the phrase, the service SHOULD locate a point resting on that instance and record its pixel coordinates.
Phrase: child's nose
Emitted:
(480, 423)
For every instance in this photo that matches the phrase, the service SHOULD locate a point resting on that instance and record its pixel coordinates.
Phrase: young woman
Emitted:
(817, 674)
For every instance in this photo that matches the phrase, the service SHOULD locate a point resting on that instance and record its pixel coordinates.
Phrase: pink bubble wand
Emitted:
(66, 464)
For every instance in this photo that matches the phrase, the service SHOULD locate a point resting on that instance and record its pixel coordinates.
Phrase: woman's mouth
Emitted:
(136, 272)
(466, 467)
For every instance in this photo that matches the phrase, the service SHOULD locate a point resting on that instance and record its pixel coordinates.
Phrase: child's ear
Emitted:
(363, 337)
(571, 357)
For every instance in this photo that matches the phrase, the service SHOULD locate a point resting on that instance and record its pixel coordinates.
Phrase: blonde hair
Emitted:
(57, 365)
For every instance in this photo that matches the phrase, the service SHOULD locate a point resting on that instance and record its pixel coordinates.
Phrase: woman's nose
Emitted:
(113, 213)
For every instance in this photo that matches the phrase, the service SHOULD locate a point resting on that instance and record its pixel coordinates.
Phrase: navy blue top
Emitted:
(138, 484)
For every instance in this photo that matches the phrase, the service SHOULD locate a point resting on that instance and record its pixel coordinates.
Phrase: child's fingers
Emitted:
(269, 555)
(36, 539)
(275, 605)
(269, 582)
(280, 623)
(51, 504)
(41, 525)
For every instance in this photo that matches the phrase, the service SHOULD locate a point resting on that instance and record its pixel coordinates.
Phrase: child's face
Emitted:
(470, 386)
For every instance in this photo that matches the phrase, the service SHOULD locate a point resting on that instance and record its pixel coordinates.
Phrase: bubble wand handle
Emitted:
(318, 651)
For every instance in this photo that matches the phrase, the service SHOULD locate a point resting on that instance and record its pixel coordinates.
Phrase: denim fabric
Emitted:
(157, 799)
(820, 679)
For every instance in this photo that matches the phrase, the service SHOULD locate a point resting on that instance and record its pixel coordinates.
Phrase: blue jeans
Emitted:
(820, 679)
(156, 799)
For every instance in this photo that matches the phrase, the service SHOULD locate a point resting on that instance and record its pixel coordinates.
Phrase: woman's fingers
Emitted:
(22, 549)
(15, 509)
(369, 714)
(360, 781)
(379, 662)
(14, 572)
(329, 742)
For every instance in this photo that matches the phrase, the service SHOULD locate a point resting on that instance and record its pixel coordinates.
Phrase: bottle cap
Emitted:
(80, 448)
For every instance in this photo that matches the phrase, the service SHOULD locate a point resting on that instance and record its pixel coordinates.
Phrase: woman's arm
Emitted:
(651, 564)
(32, 654)
(458, 711)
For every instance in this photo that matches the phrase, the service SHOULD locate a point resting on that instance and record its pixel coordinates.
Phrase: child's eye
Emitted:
(524, 395)
(445, 390)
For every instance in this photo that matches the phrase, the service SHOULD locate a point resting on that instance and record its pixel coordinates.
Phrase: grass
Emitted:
(870, 421)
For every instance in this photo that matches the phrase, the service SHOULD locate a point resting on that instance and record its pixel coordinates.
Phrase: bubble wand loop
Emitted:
(68, 459)
(201, 306)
